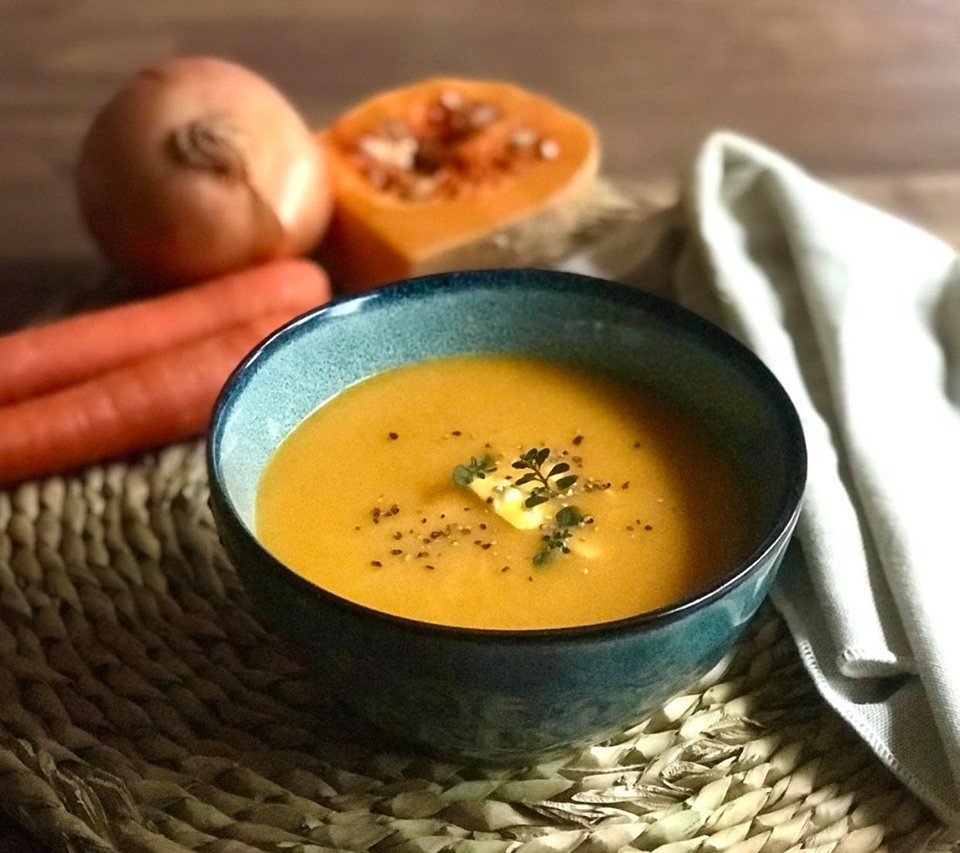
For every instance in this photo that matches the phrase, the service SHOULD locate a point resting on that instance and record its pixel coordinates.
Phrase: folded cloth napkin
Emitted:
(858, 314)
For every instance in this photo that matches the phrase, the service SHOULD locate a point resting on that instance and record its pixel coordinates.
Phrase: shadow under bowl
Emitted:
(507, 697)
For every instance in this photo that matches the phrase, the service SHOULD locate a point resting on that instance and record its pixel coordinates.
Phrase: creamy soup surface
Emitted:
(378, 497)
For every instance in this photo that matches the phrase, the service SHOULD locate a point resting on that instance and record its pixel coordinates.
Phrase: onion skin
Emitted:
(197, 167)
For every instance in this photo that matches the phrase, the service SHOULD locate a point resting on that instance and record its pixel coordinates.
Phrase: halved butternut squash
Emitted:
(451, 174)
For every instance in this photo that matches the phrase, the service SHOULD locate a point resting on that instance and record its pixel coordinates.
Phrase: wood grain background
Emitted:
(865, 93)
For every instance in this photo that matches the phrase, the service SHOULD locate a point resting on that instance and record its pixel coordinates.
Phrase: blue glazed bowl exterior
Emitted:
(506, 697)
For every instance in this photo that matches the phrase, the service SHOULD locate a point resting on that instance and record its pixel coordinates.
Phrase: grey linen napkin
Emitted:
(858, 314)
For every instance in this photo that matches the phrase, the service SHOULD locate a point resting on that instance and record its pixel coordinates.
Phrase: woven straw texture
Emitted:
(143, 708)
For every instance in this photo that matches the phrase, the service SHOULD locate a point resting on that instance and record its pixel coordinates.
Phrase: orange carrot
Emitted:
(42, 358)
(161, 398)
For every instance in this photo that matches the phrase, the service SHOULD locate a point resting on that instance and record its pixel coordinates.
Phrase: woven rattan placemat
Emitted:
(143, 708)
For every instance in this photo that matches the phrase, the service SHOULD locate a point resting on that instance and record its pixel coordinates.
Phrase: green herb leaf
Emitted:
(462, 475)
(554, 542)
(569, 516)
(475, 469)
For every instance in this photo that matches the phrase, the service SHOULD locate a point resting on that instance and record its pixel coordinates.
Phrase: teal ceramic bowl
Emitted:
(506, 697)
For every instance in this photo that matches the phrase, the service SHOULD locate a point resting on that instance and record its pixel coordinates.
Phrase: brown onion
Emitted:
(196, 167)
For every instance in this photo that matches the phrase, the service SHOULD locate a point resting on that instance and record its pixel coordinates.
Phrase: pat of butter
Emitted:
(584, 549)
(507, 501)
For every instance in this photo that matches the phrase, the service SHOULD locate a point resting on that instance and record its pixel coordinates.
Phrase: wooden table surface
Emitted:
(865, 93)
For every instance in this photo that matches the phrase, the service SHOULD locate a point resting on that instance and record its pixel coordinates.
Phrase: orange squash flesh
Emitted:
(425, 176)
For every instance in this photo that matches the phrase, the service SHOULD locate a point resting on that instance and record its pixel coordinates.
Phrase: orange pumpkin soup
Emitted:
(502, 493)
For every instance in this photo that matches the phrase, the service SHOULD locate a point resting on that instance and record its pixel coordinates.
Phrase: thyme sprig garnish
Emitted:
(533, 461)
(549, 481)
(475, 469)
(556, 540)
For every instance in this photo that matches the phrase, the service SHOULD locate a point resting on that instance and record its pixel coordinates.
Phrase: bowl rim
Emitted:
(555, 281)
